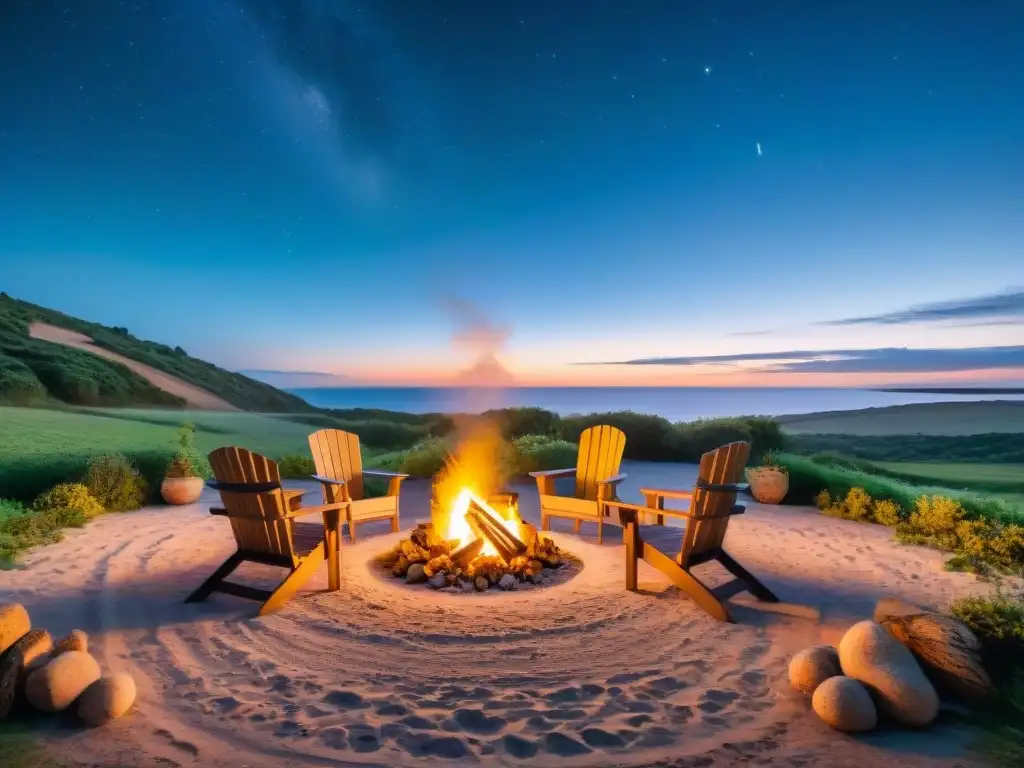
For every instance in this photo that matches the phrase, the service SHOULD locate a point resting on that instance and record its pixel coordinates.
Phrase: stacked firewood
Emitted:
(427, 557)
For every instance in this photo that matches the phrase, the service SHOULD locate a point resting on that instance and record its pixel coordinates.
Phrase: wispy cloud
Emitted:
(1005, 308)
(881, 360)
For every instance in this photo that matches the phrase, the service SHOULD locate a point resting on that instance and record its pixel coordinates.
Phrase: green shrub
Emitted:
(646, 435)
(535, 453)
(296, 465)
(520, 422)
(385, 435)
(74, 496)
(998, 622)
(187, 461)
(426, 458)
(25, 529)
(115, 483)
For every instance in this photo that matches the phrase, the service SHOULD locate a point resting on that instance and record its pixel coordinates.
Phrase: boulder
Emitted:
(813, 666)
(53, 687)
(949, 652)
(845, 704)
(14, 624)
(75, 640)
(15, 663)
(871, 655)
(507, 582)
(416, 574)
(482, 583)
(106, 699)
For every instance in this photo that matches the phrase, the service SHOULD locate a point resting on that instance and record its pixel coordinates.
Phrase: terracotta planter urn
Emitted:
(181, 490)
(768, 485)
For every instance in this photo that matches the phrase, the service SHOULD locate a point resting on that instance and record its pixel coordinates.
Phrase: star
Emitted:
(707, 70)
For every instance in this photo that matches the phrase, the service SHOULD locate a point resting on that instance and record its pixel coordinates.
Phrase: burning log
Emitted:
(465, 554)
(485, 525)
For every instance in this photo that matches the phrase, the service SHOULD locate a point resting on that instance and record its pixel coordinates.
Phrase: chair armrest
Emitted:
(613, 479)
(722, 487)
(667, 493)
(650, 510)
(328, 480)
(384, 473)
(554, 473)
(319, 509)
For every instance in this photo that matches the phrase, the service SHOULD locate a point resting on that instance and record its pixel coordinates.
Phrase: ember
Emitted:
(476, 538)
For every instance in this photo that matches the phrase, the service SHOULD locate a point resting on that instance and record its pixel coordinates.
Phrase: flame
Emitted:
(470, 476)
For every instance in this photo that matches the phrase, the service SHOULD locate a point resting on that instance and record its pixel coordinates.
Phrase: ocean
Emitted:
(674, 403)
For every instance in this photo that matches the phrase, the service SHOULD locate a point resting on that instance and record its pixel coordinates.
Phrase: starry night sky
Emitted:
(306, 184)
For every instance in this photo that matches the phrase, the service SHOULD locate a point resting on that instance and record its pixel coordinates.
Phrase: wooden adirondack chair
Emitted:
(262, 516)
(712, 503)
(339, 468)
(597, 478)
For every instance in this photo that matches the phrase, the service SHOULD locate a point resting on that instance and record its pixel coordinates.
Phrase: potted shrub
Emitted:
(183, 481)
(769, 482)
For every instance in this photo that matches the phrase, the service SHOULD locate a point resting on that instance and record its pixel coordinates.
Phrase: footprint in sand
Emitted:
(599, 739)
(715, 700)
(477, 721)
(363, 738)
(419, 723)
(288, 728)
(424, 745)
(182, 746)
(391, 709)
(558, 743)
(518, 747)
(346, 700)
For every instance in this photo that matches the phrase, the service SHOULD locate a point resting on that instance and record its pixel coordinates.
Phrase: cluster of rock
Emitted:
(427, 557)
(894, 665)
(51, 677)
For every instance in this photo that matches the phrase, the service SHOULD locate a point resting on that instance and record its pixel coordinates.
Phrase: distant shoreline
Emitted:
(953, 390)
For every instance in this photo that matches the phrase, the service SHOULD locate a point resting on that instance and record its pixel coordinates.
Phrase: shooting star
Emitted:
(759, 149)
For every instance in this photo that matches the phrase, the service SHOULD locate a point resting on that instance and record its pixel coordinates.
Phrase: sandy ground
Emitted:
(195, 397)
(583, 673)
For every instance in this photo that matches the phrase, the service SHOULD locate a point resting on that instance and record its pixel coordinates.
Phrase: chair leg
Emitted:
(394, 523)
(600, 531)
(576, 527)
(210, 585)
(543, 521)
(755, 587)
(295, 580)
(686, 582)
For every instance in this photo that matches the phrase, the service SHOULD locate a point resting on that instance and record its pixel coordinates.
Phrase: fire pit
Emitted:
(476, 539)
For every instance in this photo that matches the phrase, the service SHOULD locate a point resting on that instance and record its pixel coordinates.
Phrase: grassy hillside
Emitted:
(34, 372)
(1002, 480)
(992, 448)
(39, 447)
(1005, 416)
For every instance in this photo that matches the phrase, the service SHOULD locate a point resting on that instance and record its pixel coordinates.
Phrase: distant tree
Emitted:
(180, 351)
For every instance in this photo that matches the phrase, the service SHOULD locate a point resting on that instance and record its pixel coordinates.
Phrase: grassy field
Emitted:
(39, 448)
(997, 416)
(1001, 480)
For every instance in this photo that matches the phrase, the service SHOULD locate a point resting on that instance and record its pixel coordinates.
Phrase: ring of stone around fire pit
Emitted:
(426, 557)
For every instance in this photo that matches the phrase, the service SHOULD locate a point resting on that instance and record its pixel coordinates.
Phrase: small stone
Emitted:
(845, 704)
(415, 574)
(75, 640)
(482, 583)
(54, 687)
(106, 699)
(813, 666)
(437, 581)
(14, 624)
(507, 582)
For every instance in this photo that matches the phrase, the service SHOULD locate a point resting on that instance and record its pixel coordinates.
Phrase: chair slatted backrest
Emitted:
(723, 465)
(600, 454)
(337, 455)
(257, 519)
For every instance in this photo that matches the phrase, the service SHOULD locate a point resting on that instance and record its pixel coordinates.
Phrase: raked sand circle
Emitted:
(380, 673)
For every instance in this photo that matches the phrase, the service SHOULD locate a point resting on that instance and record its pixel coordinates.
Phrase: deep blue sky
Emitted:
(300, 184)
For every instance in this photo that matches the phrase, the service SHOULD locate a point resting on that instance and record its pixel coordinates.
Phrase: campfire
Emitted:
(476, 538)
